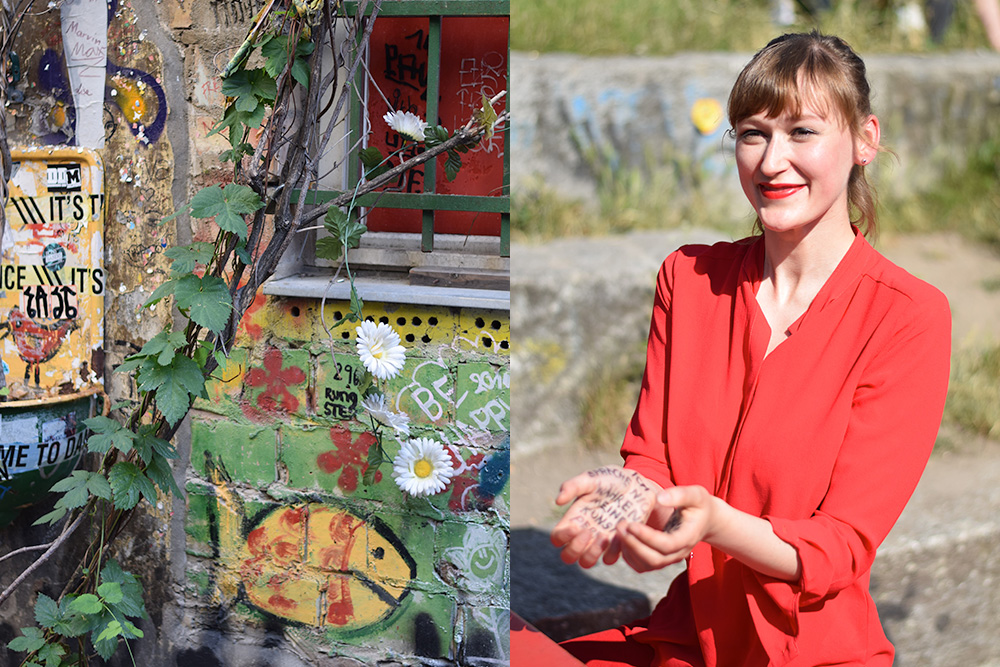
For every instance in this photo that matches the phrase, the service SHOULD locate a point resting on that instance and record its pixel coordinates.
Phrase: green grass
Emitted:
(974, 392)
(967, 201)
(663, 27)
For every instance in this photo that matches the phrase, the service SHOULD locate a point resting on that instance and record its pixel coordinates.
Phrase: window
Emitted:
(435, 58)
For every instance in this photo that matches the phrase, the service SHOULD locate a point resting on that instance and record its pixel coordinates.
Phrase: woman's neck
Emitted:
(801, 261)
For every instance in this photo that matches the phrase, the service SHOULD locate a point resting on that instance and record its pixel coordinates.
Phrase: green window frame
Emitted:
(428, 201)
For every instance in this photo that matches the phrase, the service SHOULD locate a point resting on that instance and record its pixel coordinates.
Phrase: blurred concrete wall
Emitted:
(633, 112)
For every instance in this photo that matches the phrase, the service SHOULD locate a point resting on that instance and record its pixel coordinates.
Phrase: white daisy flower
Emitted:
(379, 349)
(407, 124)
(399, 421)
(423, 467)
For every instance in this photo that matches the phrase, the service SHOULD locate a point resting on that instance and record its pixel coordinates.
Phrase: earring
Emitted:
(864, 161)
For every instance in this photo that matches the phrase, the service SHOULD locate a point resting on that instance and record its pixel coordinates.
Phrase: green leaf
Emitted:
(346, 228)
(108, 433)
(131, 604)
(162, 475)
(452, 165)
(250, 84)
(375, 165)
(301, 71)
(486, 117)
(275, 53)
(51, 517)
(174, 385)
(435, 135)
(88, 603)
(105, 645)
(160, 293)
(111, 631)
(31, 640)
(124, 482)
(329, 248)
(111, 592)
(131, 631)
(99, 486)
(227, 205)
(74, 490)
(376, 457)
(52, 654)
(187, 258)
(206, 300)
(357, 306)
(47, 611)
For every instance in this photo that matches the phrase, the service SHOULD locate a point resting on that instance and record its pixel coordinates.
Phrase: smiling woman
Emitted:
(793, 389)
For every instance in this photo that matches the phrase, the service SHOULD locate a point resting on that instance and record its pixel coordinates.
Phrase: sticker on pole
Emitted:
(52, 278)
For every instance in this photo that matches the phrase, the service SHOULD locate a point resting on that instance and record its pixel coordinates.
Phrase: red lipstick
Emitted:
(779, 190)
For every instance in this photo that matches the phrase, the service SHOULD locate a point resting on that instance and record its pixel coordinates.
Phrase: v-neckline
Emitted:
(753, 273)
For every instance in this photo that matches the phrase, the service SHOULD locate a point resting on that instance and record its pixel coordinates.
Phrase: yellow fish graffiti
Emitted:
(315, 564)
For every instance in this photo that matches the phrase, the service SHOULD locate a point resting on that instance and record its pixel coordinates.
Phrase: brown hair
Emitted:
(834, 73)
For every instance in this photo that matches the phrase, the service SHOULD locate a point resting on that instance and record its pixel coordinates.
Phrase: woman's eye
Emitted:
(803, 132)
(746, 135)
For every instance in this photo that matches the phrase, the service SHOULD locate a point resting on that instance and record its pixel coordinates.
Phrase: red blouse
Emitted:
(826, 438)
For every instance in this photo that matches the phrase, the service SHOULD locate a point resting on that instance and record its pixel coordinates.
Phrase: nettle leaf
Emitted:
(105, 643)
(188, 257)
(31, 640)
(47, 611)
(227, 205)
(206, 300)
(346, 228)
(108, 433)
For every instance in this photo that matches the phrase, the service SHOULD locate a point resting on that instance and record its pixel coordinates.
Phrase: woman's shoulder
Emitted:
(913, 294)
(699, 256)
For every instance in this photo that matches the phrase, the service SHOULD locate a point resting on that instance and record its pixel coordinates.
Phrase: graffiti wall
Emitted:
(281, 525)
(279, 547)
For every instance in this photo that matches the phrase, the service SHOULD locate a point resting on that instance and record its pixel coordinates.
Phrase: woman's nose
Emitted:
(775, 158)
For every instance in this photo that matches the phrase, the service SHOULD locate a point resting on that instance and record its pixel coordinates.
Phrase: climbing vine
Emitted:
(282, 115)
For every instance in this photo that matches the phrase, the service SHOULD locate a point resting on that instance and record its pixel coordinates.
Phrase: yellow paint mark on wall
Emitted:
(485, 331)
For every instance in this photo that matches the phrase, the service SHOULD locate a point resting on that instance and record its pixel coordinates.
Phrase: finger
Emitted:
(614, 550)
(576, 548)
(574, 488)
(650, 548)
(681, 496)
(568, 528)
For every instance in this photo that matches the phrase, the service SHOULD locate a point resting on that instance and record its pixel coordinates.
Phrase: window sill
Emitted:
(386, 289)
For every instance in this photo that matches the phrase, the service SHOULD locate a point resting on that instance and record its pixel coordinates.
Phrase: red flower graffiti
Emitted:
(275, 381)
(349, 456)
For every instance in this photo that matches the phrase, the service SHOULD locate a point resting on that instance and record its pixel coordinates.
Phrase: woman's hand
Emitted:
(603, 499)
(691, 516)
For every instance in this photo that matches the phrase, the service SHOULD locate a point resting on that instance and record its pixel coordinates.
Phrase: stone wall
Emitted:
(574, 116)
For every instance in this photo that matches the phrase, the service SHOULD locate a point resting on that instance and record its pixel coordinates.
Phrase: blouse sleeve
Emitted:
(644, 448)
(895, 416)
